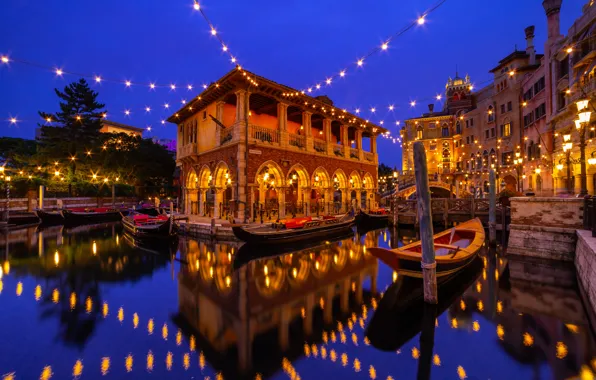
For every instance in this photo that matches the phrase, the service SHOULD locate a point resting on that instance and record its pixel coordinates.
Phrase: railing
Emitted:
(338, 150)
(227, 135)
(187, 150)
(320, 145)
(586, 48)
(434, 133)
(297, 141)
(369, 156)
(354, 153)
(264, 135)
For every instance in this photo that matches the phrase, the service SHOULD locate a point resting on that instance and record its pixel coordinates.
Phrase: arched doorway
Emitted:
(368, 194)
(321, 198)
(206, 192)
(340, 192)
(297, 180)
(538, 184)
(192, 200)
(268, 198)
(222, 188)
(356, 187)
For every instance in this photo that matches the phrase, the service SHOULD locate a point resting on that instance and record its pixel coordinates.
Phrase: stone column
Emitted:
(202, 200)
(281, 200)
(328, 136)
(359, 144)
(307, 122)
(345, 140)
(282, 123)
(241, 99)
(358, 199)
(373, 147)
(344, 300)
(219, 110)
(218, 201)
(577, 184)
(241, 195)
(306, 192)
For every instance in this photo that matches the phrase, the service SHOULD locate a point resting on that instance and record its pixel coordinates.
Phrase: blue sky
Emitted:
(298, 43)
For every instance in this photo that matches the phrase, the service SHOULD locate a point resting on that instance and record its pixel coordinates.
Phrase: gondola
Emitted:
(454, 249)
(90, 215)
(373, 217)
(249, 252)
(400, 312)
(144, 226)
(294, 230)
(50, 217)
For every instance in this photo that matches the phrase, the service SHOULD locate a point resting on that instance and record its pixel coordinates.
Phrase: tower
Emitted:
(458, 93)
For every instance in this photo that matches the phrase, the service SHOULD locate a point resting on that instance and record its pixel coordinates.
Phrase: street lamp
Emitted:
(567, 145)
(580, 124)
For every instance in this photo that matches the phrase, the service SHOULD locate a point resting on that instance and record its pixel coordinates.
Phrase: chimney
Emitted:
(431, 108)
(530, 44)
(552, 9)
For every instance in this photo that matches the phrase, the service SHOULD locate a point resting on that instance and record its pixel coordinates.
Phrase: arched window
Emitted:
(445, 131)
(491, 114)
(479, 161)
(472, 162)
(419, 133)
(457, 128)
(531, 150)
(485, 159)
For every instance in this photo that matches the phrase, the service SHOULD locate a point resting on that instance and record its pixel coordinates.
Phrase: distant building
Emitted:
(109, 127)
(114, 127)
(168, 143)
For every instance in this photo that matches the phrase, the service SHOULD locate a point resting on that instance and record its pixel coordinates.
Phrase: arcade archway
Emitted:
(298, 180)
(321, 194)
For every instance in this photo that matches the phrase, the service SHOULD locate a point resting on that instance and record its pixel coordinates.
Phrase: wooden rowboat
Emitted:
(145, 226)
(90, 215)
(374, 217)
(50, 217)
(454, 249)
(294, 230)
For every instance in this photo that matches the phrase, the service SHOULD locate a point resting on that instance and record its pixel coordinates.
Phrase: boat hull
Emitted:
(160, 231)
(365, 219)
(292, 236)
(450, 257)
(50, 217)
(72, 217)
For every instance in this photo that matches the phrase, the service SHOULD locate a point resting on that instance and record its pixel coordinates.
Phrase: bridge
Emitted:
(407, 187)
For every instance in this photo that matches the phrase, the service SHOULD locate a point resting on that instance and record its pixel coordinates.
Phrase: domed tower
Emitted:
(458, 93)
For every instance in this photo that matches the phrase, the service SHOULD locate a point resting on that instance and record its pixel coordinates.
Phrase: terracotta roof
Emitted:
(123, 126)
(239, 78)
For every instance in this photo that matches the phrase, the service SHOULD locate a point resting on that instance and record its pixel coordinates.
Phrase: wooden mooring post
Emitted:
(429, 265)
(492, 208)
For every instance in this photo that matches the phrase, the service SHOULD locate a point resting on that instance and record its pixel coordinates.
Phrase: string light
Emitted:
(4, 59)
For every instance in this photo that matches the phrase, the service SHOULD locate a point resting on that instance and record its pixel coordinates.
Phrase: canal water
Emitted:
(92, 303)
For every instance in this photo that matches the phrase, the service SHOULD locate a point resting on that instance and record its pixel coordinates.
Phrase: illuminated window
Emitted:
(419, 133)
(506, 130)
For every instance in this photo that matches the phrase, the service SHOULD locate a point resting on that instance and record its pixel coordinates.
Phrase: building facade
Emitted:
(517, 124)
(114, 127)
(247, 142)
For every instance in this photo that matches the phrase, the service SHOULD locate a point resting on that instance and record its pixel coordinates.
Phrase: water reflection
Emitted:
(313, 312)
(273, 303)
(72, 265)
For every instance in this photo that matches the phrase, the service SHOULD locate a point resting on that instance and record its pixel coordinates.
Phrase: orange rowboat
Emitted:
(454, 249)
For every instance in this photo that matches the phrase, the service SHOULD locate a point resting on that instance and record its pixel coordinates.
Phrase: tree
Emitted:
(74, 129)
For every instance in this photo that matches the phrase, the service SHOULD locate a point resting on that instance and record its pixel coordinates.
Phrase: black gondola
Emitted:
(279, 233)
(85, 216)
(376, 218)
(144, 226)
(248, 252)
(399, 315)
(50, 217)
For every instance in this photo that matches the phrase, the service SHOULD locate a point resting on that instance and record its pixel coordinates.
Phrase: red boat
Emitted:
(90, 215)
(146, 226)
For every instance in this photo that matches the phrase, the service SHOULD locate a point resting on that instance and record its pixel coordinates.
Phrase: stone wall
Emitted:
(585, 264)
(545, 227)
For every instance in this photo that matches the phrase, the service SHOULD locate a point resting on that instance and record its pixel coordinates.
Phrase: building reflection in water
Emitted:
(536, 312)
(271, 303)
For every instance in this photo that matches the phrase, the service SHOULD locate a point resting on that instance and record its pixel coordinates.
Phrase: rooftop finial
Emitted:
(456, 73)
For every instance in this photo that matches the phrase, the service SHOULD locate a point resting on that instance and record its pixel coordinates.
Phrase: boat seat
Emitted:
(448, 246)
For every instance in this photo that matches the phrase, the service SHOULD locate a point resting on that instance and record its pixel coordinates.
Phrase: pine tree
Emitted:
(74, 130)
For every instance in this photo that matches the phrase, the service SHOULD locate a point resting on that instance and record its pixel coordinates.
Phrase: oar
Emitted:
(452, 235)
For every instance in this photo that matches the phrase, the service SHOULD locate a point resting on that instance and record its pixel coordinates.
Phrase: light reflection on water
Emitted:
(90, 303)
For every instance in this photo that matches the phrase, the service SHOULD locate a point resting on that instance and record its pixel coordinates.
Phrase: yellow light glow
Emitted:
(421, 20)
(77, 369)
(150, 361)
(528, 339)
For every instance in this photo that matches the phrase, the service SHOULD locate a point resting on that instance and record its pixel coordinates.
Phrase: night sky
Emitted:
(297, 43)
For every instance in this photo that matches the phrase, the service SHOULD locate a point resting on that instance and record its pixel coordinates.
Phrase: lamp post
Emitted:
(567, 145)
(518, 163)
(580, 124)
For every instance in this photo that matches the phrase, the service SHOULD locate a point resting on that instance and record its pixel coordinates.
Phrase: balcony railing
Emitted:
(320, 146)
(369, 156)
(187, 150)
(297, 141)
(354, 153)
(434, 133)
(227, 135)
(338, 151)
(264, 135)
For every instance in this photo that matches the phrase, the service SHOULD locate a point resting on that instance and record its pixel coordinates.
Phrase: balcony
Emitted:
(263, 135)
(320, 146)
(187, 150)
(354, 154)
(297, 141)
(227, 135)
(585, 53)
(369, 156)
(338, 151)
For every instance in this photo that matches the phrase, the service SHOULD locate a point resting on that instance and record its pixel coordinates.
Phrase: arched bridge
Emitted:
(407, 187)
